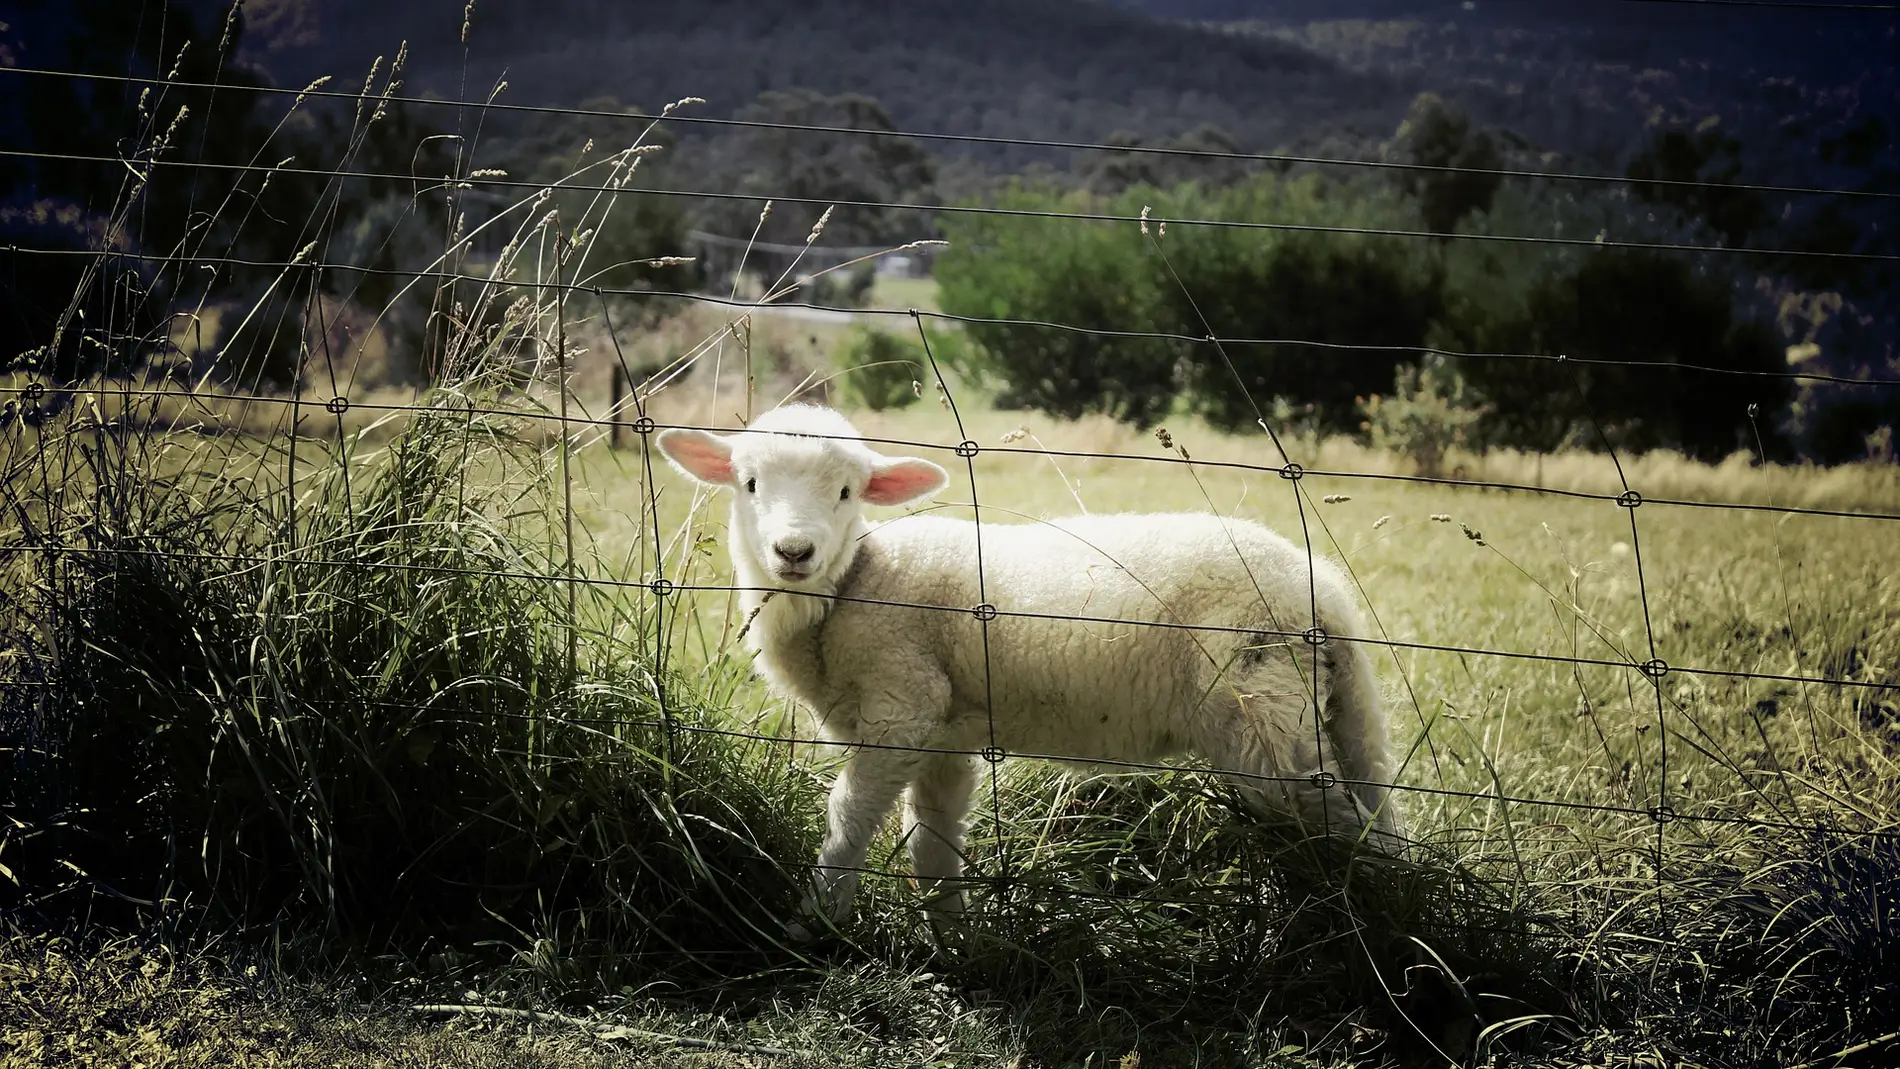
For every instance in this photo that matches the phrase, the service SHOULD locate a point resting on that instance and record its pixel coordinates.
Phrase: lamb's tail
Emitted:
(1355, 714)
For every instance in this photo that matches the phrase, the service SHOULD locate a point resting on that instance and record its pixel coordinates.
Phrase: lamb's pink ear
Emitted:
(706, 457)
(901, 480)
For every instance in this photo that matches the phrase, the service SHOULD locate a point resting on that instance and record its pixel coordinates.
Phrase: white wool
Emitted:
(1119, 638)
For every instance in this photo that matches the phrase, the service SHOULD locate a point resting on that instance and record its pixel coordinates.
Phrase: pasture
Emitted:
(427, 719)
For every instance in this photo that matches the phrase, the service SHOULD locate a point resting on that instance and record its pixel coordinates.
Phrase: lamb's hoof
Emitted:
(944, 920)
(945, 931)
(810, 929)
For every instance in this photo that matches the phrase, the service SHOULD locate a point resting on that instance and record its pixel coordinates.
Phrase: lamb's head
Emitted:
(801, 476)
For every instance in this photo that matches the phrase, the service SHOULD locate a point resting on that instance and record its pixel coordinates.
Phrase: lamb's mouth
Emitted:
(792, 575)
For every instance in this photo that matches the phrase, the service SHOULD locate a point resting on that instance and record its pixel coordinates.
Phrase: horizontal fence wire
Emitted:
(985, 209)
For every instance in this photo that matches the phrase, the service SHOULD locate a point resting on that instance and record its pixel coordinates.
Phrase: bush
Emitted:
(1428, 412)
(1651, 314)
(1236, 283)
(877, 369)
(882, 369)
(1322, 289)
(1094, 275)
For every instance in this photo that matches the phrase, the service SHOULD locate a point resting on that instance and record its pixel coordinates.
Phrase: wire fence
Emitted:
(1647, 659)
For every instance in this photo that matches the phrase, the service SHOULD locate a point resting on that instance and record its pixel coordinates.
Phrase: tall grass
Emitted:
(362, 704)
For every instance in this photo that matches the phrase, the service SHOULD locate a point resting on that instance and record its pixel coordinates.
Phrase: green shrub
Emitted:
(1647, 315)
(1236, 283)
(879, 369)
(890, 368)
(1428, 412)
(1648, 312)
(1324, 290)
(1095, 275)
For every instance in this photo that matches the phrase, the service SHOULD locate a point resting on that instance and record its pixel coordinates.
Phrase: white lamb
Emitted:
(1236, 686)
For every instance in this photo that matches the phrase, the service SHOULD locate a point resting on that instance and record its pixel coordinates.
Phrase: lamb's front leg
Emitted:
(898, 717)
(861, 798)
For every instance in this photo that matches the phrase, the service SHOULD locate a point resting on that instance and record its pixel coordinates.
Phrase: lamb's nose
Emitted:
(794, 550)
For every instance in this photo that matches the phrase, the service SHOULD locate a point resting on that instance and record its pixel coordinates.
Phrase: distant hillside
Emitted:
(1583, 80)
(1061, 69)
(1586, 78)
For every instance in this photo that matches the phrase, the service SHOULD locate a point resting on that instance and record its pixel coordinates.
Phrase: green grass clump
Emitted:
(364, 707)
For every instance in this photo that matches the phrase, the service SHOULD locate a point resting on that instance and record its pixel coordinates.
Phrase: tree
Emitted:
(1088, 274)
(1655, 320)
(1114, 172)
(1320, 292)
(871, 168)
(1437, 135)
(1708, 158)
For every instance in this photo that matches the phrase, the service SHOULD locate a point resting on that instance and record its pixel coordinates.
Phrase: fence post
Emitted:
(617, 426)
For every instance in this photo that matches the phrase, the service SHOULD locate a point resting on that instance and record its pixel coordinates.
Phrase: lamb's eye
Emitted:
(752, 486)
(844, 494)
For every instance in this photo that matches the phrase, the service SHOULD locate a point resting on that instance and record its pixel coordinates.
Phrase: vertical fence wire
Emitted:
(984, 612)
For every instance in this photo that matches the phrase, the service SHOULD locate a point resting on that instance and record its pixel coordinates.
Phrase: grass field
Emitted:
(443, 720)
(894, 292)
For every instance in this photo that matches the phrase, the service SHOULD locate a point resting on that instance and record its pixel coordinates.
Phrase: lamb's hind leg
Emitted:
(1260, 731)
(1356, 723)
(939, 802)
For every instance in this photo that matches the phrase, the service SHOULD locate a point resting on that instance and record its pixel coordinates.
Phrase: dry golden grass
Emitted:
(710, 365)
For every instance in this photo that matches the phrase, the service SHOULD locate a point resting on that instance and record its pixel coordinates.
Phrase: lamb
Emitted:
(1115, 638)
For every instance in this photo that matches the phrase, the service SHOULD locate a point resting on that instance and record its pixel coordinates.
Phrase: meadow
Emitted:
(426, 726)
